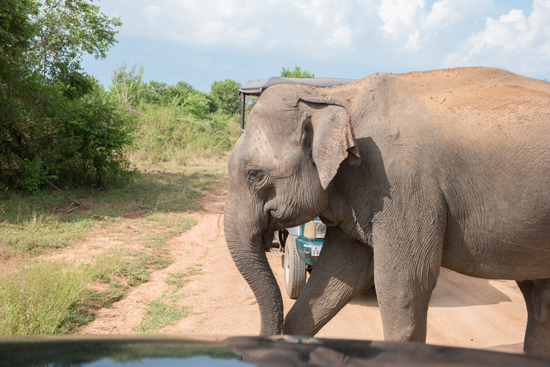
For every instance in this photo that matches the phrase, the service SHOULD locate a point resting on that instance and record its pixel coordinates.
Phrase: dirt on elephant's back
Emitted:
(464, 311)
(501, 97)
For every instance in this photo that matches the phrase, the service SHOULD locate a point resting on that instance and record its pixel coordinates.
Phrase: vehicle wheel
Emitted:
(295, 269)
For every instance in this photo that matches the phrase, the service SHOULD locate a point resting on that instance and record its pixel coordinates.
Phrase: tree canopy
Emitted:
(56, 124)
(226, 95)
(297, 72)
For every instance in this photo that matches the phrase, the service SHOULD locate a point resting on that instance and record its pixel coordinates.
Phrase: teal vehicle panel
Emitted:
(304, 245)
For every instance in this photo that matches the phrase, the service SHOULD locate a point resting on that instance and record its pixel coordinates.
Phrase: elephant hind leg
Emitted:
(537, 300)
(541, 299)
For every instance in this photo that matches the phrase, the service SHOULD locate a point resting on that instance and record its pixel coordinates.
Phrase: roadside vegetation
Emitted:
(166, 309)
(128, 161)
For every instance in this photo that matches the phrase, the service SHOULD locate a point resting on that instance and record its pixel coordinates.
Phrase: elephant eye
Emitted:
(256, 177)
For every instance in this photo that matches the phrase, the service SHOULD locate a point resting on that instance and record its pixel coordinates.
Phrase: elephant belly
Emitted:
(484, 254)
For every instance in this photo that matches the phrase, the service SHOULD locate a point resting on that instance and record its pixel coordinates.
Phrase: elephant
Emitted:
(410, 172)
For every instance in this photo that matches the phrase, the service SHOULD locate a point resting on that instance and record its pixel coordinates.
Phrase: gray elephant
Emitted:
(409, 172)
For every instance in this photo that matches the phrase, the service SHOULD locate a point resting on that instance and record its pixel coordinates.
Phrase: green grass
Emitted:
(165, 192)
(148, 209)
(29, 226)
(82, 311)
(164, 310)
(167, 138)
(179, 279)
(117, 272)
(46, 298)
(53, 298)
(134, 266)
(56, 298)
(194, 270)
(171, 220)
(34, 233)
(161, 312)
(37, 299)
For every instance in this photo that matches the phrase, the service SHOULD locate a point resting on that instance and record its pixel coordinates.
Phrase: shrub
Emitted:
(37, 299)
(58, 139)
(55, 124)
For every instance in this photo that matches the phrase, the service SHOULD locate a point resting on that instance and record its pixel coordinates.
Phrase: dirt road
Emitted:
(464, 311)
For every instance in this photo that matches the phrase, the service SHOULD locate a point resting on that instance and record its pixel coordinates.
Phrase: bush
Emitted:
(167, 133)
(55, 124)
(61, 140)
(37, 299)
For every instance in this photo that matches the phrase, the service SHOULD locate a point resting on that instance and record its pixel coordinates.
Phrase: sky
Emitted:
(202, 41)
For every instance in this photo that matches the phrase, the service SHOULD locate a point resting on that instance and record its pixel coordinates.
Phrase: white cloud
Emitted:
(342, 36)
(413, 27)
(400, 15)
(368, 35)
(204, 40)
(412, 43)
(308, 24)
(514, 41)
(152, 13)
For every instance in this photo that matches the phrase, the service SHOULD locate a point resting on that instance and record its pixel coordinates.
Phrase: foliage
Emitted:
(37, 299)
(173, 121)
(127, 85)
(66, 30)
(226, 96)
(172, 134)
(16, 32)
(49, 137)
(161, 312)
(296, 73)
(56, 125)
(129, 89)
(49, 297)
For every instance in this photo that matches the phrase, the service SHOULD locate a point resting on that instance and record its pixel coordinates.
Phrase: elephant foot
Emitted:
(541, 299)
(537, 299)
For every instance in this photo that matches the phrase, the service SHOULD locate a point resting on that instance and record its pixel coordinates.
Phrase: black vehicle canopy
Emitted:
(256, 87)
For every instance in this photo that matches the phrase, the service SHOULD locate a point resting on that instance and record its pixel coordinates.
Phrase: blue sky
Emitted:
(201, 41)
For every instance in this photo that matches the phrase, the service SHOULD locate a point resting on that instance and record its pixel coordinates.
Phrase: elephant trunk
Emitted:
(247, 250)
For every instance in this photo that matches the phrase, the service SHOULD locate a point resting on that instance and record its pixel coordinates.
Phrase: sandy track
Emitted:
(464, 311)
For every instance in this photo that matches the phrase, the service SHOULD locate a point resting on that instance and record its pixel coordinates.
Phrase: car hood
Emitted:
(243, 351)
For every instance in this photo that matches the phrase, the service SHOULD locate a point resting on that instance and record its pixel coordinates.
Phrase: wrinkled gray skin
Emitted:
(410, 172)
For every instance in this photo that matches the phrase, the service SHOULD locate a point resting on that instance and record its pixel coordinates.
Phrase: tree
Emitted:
(226, 95)
(16, 34)
(55, 123)
(127, 86)
(66, 30)
(296, 73)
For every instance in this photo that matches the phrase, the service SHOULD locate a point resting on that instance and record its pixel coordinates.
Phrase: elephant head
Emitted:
(279, 176)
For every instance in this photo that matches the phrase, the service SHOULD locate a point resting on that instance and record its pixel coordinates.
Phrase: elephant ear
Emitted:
(333, 137)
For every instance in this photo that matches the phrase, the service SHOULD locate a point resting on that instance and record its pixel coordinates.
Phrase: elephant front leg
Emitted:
(406, 268)
(342, 272)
